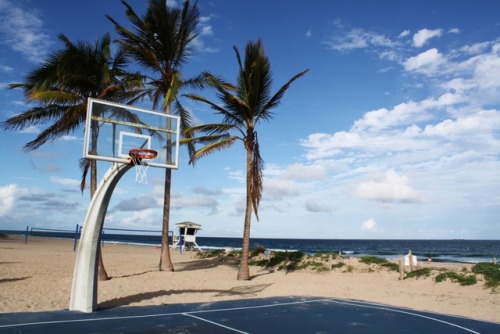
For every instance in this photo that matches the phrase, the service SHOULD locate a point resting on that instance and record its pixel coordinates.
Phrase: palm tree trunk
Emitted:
(243, 272)
(165, 261)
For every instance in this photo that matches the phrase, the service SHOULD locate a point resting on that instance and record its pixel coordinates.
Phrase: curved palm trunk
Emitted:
(243, 272)
(165, 261)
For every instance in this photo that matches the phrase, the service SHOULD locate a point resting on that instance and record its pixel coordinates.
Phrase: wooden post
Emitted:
(401, 268)
(330, 262)
(494, 260)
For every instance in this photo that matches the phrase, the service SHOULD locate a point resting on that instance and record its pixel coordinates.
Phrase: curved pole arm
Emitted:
(84, 288)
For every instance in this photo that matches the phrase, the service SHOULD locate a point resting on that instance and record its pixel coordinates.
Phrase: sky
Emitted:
(393, 134)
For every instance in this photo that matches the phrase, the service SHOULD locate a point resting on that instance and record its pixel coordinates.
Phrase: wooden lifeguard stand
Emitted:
(187, 236)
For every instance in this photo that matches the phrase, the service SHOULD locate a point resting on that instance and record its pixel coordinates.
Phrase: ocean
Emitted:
(458, 251)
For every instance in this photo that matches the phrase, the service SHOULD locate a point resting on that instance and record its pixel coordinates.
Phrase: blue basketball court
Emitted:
(271, 315)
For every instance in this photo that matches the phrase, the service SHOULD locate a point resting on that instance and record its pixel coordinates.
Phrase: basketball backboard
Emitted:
(113, 129)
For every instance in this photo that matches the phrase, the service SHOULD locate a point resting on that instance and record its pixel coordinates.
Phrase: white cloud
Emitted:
(318, 207)
(7, 197)
(389, 187)
(308, 33)
(6, 69)
(32, 129)
(477, 124)
(404, 33)
(22, 30)
(347, 40)
(369, 225)
(65, 182)
(421, 37)
(429, 62)
(276, 189)
(475, 48)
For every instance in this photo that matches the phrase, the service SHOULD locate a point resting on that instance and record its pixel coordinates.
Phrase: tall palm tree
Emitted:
(59, 89)
(161, 42)
(243, 106)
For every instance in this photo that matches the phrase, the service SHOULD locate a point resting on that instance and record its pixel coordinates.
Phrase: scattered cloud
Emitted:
(6, 69)
(22, 30)
(429, 62)
(346, 40)
(206, 31)
(313, 205)
(369, 225)
(423, 36)
(404, 33)
(136, 204)
(8, 195)
(65, 182)
(388, 187)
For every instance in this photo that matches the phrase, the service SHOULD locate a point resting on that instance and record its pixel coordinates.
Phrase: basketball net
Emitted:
(141, 160)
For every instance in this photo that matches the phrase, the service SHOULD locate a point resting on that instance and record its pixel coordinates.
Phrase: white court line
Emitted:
(368, 305)
(214, 323)
(360, 304)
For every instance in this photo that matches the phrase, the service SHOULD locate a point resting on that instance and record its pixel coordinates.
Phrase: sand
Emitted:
(37, 277)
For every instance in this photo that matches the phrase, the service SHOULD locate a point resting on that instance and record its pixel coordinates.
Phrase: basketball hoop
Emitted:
(142, 158)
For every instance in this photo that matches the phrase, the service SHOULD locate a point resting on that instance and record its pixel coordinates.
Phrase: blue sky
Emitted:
(394, 133)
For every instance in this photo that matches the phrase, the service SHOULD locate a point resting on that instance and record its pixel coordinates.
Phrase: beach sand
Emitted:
(37, 277)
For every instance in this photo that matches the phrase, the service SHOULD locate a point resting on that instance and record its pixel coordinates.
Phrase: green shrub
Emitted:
(338, 265)
(258, 249)
(462, 279)
(283, 260)
(234, 253)
(491, 273)
(259, 263)
(422, 272)
(210, 253)
(326, 256)
(379, 261)
(372, 260)
(391, 265)
(4, 236)
(314, 265)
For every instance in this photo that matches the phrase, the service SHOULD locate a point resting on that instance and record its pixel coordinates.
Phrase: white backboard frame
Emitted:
(116, 143)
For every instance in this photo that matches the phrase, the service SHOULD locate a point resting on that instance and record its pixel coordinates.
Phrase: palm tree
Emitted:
(59, 88)
(243, 107)
(161, 43)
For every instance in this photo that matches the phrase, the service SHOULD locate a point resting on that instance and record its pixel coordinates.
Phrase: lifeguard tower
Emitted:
(187, 236)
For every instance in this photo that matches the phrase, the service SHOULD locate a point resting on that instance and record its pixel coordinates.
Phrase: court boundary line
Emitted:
(214, 323)
(191, 313)
(370, 305)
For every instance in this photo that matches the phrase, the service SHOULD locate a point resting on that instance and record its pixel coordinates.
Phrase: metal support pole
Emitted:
(84, 287)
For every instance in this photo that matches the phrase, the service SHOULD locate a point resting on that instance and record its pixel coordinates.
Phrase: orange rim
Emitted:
(142, 153)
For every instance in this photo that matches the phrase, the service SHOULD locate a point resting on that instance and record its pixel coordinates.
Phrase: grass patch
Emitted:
(491, 273)
(338, 265)
(258, 249)
(422, 272)
(4, 236)
(288, 261)
(326, 256)
(462, 279)
(210, 253)
(379, 261)
(314, 265)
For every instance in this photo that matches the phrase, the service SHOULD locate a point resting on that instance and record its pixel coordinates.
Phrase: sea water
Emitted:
(461, 251)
